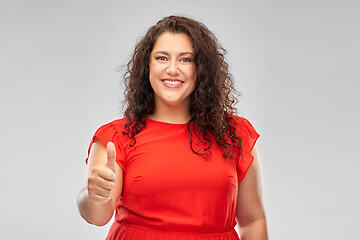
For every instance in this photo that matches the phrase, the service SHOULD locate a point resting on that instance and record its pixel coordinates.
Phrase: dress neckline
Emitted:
(165, 123)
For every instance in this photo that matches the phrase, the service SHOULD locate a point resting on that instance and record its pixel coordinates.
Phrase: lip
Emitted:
(172, 85)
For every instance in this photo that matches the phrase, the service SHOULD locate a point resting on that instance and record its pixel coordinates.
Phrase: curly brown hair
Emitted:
(211, 103)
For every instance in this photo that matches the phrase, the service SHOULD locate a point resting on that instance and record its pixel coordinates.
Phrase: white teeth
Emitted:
(172, 82)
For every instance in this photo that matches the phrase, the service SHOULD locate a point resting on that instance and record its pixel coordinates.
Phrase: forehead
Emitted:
(173, 42)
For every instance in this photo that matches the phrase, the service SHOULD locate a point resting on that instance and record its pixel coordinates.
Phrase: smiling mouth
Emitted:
(172, 81)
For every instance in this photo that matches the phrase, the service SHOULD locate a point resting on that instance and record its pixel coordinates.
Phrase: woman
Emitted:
(180, 164)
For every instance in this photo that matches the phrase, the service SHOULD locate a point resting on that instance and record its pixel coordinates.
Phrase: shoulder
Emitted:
(117, 124)
(244, 127)
(109, 132)
(240, 121)
(111, 129)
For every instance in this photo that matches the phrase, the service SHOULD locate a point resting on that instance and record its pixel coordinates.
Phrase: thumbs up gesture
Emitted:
(102, 178)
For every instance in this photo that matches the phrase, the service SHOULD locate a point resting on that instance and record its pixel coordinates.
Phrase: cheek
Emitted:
(155, 70)
(151, 69)
(190, 72)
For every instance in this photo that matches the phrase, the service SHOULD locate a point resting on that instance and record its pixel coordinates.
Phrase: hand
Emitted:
(102, 178)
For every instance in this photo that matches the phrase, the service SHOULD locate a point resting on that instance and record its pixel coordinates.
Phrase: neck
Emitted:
(170, 114)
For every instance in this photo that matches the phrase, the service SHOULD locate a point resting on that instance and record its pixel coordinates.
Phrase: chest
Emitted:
(164, 163)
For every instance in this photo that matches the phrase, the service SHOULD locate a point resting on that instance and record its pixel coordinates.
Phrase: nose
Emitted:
(173, 69)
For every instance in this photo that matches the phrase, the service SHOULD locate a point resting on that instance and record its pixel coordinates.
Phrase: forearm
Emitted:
(255, 230)
(94, 213)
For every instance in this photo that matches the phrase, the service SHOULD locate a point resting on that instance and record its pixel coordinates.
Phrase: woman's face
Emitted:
(172, 70)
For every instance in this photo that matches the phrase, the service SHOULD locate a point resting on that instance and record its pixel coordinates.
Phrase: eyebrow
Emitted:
(166, 53)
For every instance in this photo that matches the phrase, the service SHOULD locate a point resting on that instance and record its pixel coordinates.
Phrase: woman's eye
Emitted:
(186, 60)
(161, 58)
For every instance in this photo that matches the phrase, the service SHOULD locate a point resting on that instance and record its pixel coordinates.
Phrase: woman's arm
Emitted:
(104, 180)
(250, 212)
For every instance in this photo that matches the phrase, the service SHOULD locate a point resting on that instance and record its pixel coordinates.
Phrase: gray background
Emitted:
(295, 62)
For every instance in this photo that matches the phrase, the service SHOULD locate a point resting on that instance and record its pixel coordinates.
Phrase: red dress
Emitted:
(168, 191)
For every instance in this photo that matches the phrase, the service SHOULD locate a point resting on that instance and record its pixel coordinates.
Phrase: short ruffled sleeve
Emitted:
(110, 133)
(249, 137)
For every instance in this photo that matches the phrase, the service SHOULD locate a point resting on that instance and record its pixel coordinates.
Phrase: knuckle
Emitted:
(96, 170)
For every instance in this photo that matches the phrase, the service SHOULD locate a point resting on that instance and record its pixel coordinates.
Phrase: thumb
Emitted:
(111, 156)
